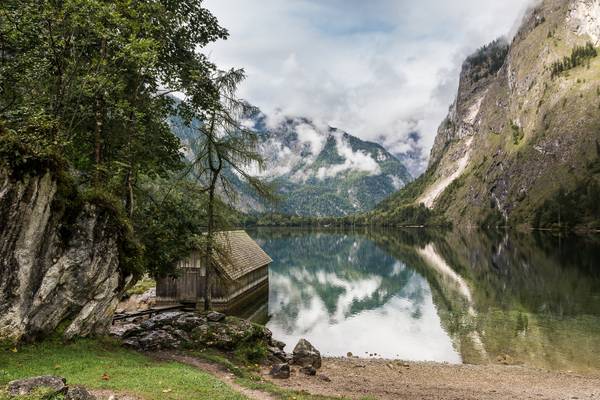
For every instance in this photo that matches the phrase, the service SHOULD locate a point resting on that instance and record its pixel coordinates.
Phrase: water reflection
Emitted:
(469, 297)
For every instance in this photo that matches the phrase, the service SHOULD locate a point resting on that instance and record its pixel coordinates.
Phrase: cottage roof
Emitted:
(241, 254)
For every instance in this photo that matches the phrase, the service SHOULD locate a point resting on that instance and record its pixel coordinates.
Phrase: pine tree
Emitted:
(223, 146)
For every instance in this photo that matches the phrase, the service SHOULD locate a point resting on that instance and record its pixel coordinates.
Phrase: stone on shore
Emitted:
(309, 370)
(306, 355)
(280, 371)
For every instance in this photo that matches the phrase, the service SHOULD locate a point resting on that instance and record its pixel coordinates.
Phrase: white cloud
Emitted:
(353, 161)
(381, 69)
(308, 135)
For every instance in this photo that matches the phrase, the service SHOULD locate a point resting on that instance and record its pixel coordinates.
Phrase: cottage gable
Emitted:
(242, 255)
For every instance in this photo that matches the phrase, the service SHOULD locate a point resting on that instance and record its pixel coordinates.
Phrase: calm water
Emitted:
(473, 298)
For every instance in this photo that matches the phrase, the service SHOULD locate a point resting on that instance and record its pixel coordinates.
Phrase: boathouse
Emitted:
(242, 274)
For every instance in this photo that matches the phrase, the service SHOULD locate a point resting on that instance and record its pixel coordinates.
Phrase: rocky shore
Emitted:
(181, 330)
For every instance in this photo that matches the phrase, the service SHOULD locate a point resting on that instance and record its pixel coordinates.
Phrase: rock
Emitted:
(278, 355)
(22, 387)
(309, 370)
(306, 355)
(280, 371)
(132, 343)
(214, 316)
(324, 378)
(191, 330)
(138, 302)
(123, 330)
(47, 277)
(157, 340)
(188, 321)
(276, 343)
(349, 354)
(79, 393)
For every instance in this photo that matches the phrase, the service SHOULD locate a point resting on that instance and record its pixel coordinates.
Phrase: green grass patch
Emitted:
(105, 365)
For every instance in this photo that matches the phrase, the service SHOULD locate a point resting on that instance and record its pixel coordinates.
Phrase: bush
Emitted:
(517, 133)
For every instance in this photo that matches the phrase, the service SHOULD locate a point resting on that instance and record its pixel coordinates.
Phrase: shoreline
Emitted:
(359, 378)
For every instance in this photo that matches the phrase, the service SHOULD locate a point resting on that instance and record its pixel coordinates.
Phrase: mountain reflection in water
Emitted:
(413, 295)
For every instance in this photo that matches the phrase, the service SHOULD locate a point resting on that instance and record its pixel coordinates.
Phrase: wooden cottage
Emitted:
(242, 275)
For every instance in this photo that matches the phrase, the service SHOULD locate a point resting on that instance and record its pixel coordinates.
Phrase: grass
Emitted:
(104, 365)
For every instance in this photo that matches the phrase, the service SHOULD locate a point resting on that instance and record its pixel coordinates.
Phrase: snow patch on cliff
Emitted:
(474, 110)
(431, 195)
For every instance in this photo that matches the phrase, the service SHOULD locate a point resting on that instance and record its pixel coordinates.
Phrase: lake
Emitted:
(447, 297)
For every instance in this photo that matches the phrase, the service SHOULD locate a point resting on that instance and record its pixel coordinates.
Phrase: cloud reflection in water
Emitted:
(345, 295)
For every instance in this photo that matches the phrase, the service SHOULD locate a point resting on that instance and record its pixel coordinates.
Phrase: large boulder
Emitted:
(54, 385)
(55, 266)
(306, 355)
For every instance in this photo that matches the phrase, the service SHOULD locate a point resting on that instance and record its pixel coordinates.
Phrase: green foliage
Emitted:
(517, 133)
(169, 218)
(487, 60)
(142, 286)
(253, 353)
(22, 158)
(569, 208)
(579, 56)
(90, 80)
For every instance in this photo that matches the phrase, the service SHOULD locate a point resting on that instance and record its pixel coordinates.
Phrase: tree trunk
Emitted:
(215, 170)
(209, 248)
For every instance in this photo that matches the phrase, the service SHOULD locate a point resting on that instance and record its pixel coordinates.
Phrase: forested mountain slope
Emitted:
(317, 171)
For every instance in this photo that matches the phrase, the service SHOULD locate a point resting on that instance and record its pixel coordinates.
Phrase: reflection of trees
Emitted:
(535, 297)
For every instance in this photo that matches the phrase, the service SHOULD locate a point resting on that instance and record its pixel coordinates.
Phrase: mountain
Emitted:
(521, 143)
(316, 170)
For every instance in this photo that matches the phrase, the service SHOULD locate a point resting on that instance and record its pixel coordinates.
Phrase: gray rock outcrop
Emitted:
(178, 329)
(56, 264)
(53, 384)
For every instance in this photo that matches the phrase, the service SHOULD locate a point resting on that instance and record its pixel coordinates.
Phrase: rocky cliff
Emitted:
(59, 261)
(521, 143)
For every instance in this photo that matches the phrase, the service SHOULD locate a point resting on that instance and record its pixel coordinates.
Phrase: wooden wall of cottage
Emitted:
(189, 286)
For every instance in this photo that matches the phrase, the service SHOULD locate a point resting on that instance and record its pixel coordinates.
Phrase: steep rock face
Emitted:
(517, 136)
(52, 272)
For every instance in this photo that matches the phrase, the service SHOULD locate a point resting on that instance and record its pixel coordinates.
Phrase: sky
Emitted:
(382, 70)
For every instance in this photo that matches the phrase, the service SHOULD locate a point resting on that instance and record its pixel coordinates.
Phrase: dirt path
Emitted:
(380, 379)
(215, 370)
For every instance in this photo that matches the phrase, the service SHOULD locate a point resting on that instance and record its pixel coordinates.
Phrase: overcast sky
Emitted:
(378, 69)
